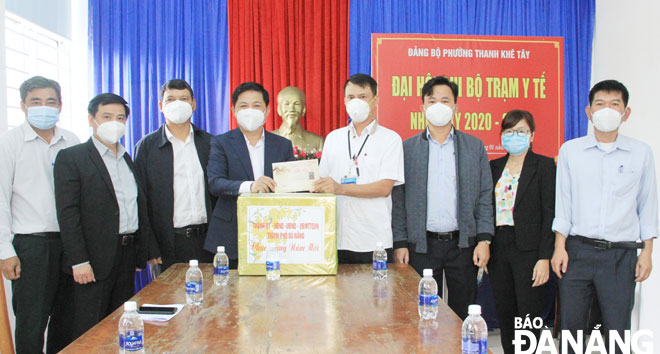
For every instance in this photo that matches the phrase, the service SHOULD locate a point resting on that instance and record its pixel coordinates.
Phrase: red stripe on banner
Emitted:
(302, 43)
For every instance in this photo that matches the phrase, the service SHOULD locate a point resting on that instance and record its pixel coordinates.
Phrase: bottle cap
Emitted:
(193, 263)
(428, 272)
(221, 248)
(130, 306)
(379, 244)
(474, 310)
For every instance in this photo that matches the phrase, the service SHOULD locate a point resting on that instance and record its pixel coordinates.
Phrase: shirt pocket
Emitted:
(627, 183)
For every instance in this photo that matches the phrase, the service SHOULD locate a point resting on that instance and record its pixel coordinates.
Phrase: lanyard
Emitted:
(350, 154)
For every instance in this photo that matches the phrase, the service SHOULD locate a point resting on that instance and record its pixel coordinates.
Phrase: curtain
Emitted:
(136, 46)
(301, 43)
(571, 19)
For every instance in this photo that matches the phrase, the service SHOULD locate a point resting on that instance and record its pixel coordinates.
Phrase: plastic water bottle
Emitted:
(221, 267)
(194, 284)
(272, 265)
(131, 330)
(428, 296)
(474, 332)
(380, 262)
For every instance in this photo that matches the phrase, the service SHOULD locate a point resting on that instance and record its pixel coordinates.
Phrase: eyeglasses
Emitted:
(519, 132)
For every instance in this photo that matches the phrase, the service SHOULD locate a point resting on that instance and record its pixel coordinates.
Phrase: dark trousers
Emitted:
(34, 293)
(94, 301)
(187, 247)
(511, 272)
(609, 274)
(350, 257)
(458, 268)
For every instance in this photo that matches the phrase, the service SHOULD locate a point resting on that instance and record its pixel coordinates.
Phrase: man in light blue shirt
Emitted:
(606, 203)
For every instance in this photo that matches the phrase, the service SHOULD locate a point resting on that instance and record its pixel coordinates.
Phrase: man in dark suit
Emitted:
(101, 210)
(171, 165)
(240, 162)
(442, 217)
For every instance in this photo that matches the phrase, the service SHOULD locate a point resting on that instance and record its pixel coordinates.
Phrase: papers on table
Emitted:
(160, 318)
(295, 176)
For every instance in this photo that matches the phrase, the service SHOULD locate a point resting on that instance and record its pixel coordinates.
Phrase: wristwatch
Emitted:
(486, 241)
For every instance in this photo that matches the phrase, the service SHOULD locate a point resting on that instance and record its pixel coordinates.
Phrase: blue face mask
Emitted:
(515, 144)
(43, 117)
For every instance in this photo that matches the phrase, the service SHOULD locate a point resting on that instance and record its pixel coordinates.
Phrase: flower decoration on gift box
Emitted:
(301, 154)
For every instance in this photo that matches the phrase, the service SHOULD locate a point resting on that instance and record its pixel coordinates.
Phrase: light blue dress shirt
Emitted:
(606, 195)
(441, 199)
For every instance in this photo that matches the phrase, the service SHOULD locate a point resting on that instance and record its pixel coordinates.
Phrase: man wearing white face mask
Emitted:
(241, 161)
(171, 164)
(606, 209)
(361, 163)
(442, 217)
(102, 214)
(30, 243)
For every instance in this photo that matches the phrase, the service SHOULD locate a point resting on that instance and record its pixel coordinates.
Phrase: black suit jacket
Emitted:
(88, 213)
(229, 166)
(154, 166)
(534, 207)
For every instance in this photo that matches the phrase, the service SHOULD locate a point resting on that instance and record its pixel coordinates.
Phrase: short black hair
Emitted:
(427, 90)
(106, 99)
(513, 117)
(176, 84)
(249, 86)
(37, 82)
(363, 80)
(609, 86)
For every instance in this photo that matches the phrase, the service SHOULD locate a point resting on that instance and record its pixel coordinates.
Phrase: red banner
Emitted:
(494, 74)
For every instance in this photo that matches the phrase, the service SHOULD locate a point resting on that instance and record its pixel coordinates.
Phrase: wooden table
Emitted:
(347, 313)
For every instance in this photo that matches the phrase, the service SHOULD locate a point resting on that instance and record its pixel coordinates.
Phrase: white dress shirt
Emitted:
(189, 194)
(256, 159)
(441, 188)
(27, 192)
(123, 181)
(361, 222)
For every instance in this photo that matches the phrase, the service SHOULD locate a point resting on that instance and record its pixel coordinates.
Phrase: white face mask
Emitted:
(439, 114)
(358, 110)
(606, 119)
(110, 132)
(250, 119)
(178, 112)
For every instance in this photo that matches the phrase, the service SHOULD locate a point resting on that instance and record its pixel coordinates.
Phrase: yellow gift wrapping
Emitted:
(300, 227)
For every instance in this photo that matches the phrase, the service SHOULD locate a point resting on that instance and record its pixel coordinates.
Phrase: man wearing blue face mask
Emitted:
(171, 164)
(442, 217)
(241, 161)
(361, 163)
(606, 209)
(30, 243)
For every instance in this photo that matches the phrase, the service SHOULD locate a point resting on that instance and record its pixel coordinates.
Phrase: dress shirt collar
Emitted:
(171, 136)
(261, 140)
(370, 129)
(621, 142)
(30, 134)
(450, 137)
(104, 149)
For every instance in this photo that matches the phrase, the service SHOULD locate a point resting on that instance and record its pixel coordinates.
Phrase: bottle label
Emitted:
(131, 341)
(428, 300)
(194, 287)
(270, 265)
(475, 347)
(221, 270)
(380, 265)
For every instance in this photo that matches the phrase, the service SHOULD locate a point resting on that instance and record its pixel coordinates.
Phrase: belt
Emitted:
(442, 236)
(127, 239)
(604, 245)
(192, 230)
(42, 234)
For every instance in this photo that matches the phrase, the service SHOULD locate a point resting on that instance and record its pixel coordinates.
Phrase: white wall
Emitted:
(626, 49)
(53, 15)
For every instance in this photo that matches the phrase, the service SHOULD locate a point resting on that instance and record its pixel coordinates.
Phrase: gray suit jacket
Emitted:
(475, 193)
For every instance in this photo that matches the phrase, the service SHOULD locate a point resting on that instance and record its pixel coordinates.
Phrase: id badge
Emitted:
(349, 179)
